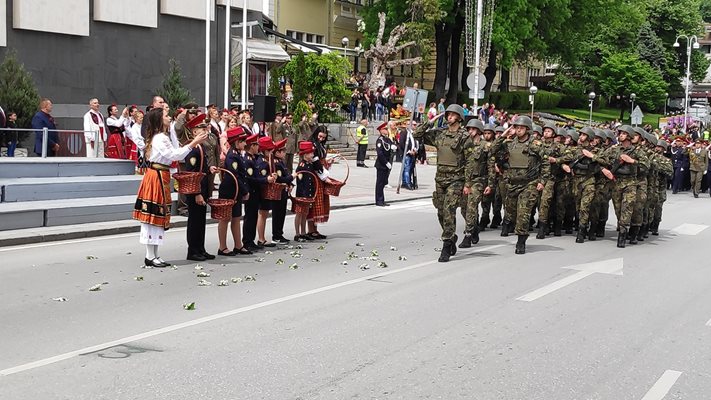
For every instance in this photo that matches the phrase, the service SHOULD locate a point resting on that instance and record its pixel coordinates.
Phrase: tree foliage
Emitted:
(624, 73)
(323, 76)
(172, 89)
(18, 92)
(705, 9)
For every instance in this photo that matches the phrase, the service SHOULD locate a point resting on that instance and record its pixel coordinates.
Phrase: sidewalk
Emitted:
(359, 191)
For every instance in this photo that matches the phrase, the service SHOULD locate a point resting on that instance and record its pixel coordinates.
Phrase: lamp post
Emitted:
(666, 100)
(691, 43)
(345, 42)
(533, 90)
(632, 98)
(591, 96)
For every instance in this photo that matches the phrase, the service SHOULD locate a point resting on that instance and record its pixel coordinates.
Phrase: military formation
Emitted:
(567, 177)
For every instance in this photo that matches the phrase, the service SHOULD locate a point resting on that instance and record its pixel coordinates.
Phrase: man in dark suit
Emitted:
(43, 119)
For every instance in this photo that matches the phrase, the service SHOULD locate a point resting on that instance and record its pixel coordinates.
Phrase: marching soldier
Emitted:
(499, 191)
(476, 155)
(524, 173)
(487, 200)
(553, 149)
(449, 179)
(642, 170)
(665, 171)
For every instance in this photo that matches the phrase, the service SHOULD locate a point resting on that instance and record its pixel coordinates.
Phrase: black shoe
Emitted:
(696, 195)
(317, 235)
(505, 228)
(622, 237)
(196, 257)
(308, 237)
(655, 228)
(251, 246)
(645, 231)
(453, 245)
(483, 222)
(633, 234)
(242, 251)
(592, 232)
(445, 254)
(226, 253)
(466, 241)
(600, 232)
(521, 244)
(265, 244)
(581, 235)
(542, 231)
(640, 234)
(155, 263)
(207, 255)
(475, 235)
(556, 229)
(280, 240)
(299, 238)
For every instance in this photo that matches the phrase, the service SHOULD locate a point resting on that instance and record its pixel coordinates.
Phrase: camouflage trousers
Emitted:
(601, 208)
(470, 204)
(661, 198)
(641, 201)
(546, 201)
(446, 198)
(624, 196)
(652, 194)
(519, 201)
(567, 200)
(584, 193)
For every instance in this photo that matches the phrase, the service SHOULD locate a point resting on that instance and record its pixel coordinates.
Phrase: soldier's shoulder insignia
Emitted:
(234, 165)
(250, 171)
(380, 144)
(193, 161)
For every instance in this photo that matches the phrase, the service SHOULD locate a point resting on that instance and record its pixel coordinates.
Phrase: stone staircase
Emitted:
(38, 192)
(347, 150)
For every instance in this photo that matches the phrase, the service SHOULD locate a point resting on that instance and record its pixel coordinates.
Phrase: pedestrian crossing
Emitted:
(422, 206)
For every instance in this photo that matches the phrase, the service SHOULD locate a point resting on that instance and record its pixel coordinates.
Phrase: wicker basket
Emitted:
(189, 182)
(221, 209)
(332, 187)
(273, 191)
(301, 205)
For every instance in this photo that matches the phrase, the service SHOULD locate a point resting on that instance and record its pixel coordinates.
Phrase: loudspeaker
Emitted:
(264, 108)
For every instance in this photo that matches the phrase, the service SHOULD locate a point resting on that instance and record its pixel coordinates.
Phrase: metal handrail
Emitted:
(45, 134)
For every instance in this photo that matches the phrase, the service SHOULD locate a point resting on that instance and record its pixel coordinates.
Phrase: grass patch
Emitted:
(600, 115)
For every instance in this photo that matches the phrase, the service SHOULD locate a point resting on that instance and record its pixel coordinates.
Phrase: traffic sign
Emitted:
(470, 81)
(637, 116)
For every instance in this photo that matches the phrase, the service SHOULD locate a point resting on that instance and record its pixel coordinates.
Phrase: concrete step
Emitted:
(36, 167)
(34, 214)
(35, 189)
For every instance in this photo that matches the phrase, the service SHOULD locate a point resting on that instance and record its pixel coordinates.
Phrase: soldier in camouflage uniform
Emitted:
(605, 187)
(524, 172)
(476, 156)
(449, 179)
(642, 171)
(499, 188)
(652, 176)
(553, 149)
(598, 145)
(665, 170)
(487, 200)
(582, 161)
(621, 162)
(567, 212)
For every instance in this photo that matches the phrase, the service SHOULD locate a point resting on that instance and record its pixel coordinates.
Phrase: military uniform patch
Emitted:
(193, 161)
(234, 165)
(263, 172)
(250, 171)
(279, 173)
(299, 176)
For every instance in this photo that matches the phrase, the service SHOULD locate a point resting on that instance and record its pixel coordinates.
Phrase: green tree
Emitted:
(172, 89)
(623, 73)
(323, 76)
(705, 9)
(18, 92)
(651, 48)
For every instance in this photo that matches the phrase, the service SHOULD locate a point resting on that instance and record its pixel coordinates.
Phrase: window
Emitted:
(291, 34)
(347, 11)
(319, 39)
(299, 36)
(309, 38)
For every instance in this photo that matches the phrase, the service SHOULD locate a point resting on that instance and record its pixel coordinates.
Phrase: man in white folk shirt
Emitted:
(94, 130)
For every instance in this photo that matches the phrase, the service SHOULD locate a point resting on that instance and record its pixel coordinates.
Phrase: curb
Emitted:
(54, 237)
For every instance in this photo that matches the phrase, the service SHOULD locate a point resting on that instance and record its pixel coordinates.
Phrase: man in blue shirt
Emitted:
(43, 119)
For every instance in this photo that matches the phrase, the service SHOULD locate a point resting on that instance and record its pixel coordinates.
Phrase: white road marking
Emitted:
(663, 385)
(612, 267)
(209, 318)
(708, 323)
(689, 229)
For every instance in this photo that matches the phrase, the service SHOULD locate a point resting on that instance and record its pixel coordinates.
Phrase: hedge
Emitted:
(519, 100)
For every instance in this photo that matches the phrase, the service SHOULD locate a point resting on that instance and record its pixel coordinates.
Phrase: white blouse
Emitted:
(134, 133)
(163, 151)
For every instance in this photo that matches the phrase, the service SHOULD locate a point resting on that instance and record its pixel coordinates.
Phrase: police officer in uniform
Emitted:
(383, 148)
(449, 180)
(524, 173)
(362, 141)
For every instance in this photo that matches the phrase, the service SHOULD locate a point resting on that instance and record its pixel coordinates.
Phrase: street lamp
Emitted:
(691, 43)
(533, 90)
(591, 96)
(345, 42)
(666, 100)
(632, 98)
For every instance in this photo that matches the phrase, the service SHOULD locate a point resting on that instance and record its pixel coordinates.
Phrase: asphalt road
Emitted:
(565, 321)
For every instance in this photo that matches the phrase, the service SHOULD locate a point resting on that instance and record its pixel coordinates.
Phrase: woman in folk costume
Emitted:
(197, 161)
(234, 162)
(152, 207)
(115, 145)
(305, 188)
(321, 209)
(135, 143)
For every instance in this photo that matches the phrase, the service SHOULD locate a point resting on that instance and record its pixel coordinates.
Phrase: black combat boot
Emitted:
(483, 223)
(475, 235)
(445, 254)
(453, 245)
(505, 228)
(645, 231)
(622, 237)
(634, 230)
(521, 244)
(542, 230)
(466, 241)
(496, 221)
(640, 233)
(582, 233)
(557, 228)
(655, 227)
(592, 236)
(601, 229)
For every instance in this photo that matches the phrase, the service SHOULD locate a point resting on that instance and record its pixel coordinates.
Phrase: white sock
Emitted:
(150, 252)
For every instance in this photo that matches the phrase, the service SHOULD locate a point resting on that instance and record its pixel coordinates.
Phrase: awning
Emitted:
(258, 50)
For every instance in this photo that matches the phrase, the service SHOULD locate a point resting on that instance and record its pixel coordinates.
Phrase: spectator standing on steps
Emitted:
(43, 119)
(93, 123)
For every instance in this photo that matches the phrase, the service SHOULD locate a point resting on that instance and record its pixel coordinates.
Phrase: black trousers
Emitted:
(278, 216)
(360, 158)
(380, 181)
(289, 161)
(195, 233)
(249, 224)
